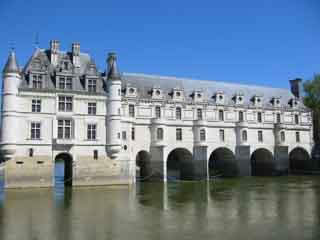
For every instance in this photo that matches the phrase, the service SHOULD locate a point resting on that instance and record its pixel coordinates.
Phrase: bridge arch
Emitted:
(299, 159)
(64, 160)
(222, 161)
(143, 164)
(180, 165)
(262, 163)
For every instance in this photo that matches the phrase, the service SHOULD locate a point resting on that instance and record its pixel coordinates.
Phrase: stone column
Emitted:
(281, 158)
(243, 160)
(200, 162)
(158, 163)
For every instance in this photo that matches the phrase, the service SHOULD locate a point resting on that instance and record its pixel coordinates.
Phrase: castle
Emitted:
(109, 127)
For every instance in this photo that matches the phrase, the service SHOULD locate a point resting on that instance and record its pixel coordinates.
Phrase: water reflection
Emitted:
(239, 208)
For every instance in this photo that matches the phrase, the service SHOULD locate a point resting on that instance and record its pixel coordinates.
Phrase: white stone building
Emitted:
(108, 126)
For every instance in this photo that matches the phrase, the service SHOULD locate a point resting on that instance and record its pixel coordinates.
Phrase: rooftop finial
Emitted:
(36, 40)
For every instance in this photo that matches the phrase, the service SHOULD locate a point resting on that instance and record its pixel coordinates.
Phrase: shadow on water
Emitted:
(235, 208)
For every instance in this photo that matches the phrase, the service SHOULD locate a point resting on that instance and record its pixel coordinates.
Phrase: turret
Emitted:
(113, 107)
(9, 121)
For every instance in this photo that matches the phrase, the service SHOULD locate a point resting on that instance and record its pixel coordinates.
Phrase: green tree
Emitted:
(312, 100)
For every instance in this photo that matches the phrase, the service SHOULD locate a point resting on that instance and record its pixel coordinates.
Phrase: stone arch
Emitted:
(222, 161)
(67, 160)
(262, 163)
(299, 159)
(180, 165)
(143, 164)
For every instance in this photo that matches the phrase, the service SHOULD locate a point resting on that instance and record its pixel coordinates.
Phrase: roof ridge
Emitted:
(200, 80)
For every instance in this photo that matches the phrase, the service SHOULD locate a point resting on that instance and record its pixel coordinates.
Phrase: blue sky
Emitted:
(265, 42)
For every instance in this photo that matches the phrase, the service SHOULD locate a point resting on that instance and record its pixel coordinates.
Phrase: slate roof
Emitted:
(11, 65)
(144, 83)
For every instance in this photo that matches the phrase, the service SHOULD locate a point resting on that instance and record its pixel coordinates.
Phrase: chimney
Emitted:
(76, 54)
(54, 49)
(296, 87)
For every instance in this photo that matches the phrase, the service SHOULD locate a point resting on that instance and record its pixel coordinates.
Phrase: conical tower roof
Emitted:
(113, 73)
(11, 65)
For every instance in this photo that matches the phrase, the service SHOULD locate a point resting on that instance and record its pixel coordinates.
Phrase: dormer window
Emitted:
(177, 94)
(276, 102)
(294, 102)
(238, 98)
(37, 81)
(156, 93)
(65, 83)
(257, 101)
(92, 85)
(197, 96)
(219, 97)
(65, 65)
(131, 91)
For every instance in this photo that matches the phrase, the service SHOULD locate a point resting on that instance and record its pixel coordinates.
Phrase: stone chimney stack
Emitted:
(54, 49)
(76, 54)
(296, 87)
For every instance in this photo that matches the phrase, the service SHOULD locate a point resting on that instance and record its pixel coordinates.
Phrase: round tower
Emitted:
(9, 120)
(113, 107)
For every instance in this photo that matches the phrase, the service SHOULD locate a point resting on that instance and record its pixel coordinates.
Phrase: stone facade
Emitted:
(108, 125)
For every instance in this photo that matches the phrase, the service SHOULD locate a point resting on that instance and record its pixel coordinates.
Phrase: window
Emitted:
(178, 113)
(179, 134)
(37, 81)
(119, 135)
(159, 133)
(95, 154)
(259, 117)
(65, 65)
(240, 116)
(202, 135)
(36, 105)
(297, 137)
(221, 135)
(260, 136)
(133, 134)
(158, 112)
(65, 104)
(282, 136)
(221, 115)
(92, 85)
(64, 129)
(30, 152)
(124, 135)
(92, 108)
(199, 114)
(65, 83)
(296, 119)
(92, 132)
(244, 135)
(35, 130)
(278, 118)
(131, 110)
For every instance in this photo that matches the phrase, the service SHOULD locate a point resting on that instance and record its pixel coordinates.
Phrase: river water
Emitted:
(238, 208)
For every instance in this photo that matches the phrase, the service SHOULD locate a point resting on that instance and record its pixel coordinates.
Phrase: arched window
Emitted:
(202, 135)
(178, 113)
(221, 115)
(244, 135)
(158, 112)
(282, 136)
(159, 133)
(240, 116)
